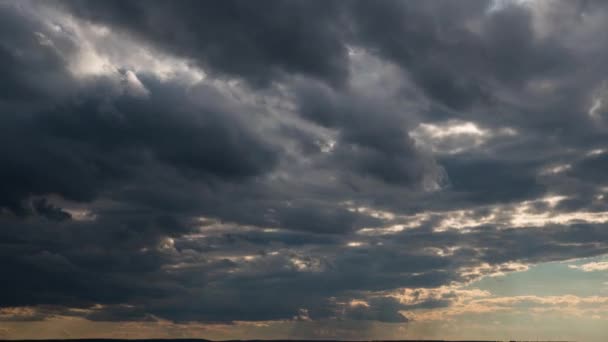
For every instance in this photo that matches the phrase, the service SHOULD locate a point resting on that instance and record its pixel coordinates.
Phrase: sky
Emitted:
(304, 169)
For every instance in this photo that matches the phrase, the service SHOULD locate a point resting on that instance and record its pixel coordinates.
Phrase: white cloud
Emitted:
(455, 136)
(592, 266)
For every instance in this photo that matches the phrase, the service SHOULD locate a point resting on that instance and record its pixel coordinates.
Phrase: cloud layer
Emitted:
(294, 160)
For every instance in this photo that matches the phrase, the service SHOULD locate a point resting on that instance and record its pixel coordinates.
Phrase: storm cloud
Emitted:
(231, 161)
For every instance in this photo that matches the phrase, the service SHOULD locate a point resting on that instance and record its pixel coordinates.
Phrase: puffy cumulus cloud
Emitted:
(166, 164)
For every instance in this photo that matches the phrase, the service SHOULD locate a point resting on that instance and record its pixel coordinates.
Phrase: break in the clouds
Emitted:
(325, 169)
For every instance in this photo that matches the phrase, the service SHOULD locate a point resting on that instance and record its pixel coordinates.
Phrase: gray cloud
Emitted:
(258, 42)
(242, 161)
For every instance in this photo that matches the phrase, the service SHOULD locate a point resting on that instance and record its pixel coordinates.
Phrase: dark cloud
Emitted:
(288, 178)
(256, 41)
(31, 71)
(79, 148)
(384, 309)
(456, 64)
(493, 181)
(372, 136)
(44, 208)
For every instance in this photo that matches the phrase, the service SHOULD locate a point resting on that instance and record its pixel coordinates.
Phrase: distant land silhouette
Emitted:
(277, 340)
